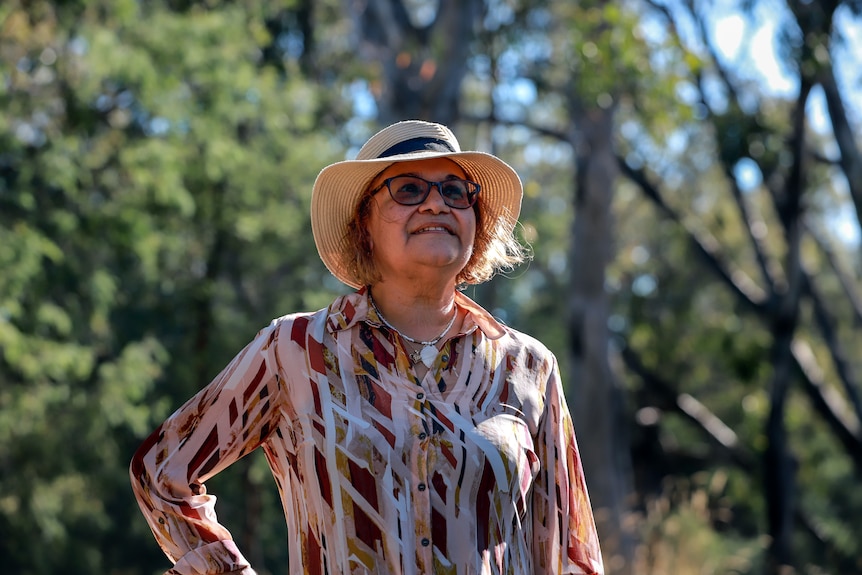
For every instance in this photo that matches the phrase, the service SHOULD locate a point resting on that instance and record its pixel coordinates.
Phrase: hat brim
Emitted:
(339, 187)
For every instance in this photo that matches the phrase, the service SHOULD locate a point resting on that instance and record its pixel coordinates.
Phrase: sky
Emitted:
(749, 41)
(747, 44)
(732, 29)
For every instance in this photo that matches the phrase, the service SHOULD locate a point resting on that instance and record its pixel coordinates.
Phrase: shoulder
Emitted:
(528, 363)
(312, 326)
(302, 318)
(516, 342)
(531, 373)
(297, 326)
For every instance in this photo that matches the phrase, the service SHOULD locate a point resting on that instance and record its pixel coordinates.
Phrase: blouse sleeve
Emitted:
(226, 420)
(564, 531)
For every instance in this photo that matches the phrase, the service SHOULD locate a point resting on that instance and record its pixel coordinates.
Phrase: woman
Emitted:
(407, 430)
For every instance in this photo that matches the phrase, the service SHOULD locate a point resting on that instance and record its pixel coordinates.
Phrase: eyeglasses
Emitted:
(413, 190)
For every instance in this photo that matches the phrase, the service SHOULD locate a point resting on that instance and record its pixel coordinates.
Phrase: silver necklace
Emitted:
(428, 353)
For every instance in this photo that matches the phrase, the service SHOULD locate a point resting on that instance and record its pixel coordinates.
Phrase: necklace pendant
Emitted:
(428, 355)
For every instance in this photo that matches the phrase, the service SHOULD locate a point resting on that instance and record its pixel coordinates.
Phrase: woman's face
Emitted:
(406, 240)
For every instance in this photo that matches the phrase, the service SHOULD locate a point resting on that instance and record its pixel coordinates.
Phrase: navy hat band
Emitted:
(417, 145)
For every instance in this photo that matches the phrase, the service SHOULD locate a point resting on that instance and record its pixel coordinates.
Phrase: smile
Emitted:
(432, 229)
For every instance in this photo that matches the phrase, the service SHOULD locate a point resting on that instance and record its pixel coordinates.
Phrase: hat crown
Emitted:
(393, 135)
(339, 186)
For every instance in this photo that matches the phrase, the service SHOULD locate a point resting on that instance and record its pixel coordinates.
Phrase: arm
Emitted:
(223, 422)
(564, 531)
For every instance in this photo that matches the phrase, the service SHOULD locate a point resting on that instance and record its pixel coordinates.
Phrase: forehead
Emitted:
(430, 169)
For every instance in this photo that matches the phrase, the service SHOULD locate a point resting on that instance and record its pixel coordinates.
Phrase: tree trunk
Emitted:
(423, 66)
(779, 466)
(596, 400)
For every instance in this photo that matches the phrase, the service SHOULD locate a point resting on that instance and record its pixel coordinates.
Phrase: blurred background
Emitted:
(693, 197)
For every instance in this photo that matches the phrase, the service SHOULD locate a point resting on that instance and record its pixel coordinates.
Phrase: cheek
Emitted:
(379, 225)
(371, 233)
(470, 225)
(372, 225)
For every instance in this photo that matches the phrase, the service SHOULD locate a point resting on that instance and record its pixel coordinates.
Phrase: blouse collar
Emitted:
(348, 310)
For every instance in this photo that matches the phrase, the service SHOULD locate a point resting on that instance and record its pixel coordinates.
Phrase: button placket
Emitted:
(423, 435)
(421, 494)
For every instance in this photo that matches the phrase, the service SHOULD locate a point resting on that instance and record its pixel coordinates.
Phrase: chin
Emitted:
(446, 259)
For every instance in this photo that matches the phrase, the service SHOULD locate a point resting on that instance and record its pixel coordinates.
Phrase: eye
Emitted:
(454, 189)
(410, 189)
(407, 187)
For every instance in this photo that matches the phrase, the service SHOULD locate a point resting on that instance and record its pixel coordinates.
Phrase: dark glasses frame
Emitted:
(472, 191)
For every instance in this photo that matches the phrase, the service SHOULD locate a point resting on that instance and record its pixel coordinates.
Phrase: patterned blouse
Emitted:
(473, 469)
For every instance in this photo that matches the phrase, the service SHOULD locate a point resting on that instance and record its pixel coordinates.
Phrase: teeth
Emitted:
(432, 229)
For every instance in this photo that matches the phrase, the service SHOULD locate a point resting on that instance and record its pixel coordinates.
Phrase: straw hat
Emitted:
(339, 186)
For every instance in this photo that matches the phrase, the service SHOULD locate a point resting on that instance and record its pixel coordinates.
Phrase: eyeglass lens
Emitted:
(412, 190)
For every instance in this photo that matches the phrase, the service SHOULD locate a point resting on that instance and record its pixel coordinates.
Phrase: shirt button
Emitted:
(421, 487)
(423, 435)
(425, 542)
(445, 358)
(420, 395)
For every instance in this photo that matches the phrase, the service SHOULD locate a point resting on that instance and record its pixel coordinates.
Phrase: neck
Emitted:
(418, 313)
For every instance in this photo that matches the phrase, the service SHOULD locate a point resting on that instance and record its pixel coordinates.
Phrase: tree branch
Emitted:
(721, 437)
(706, 245)
(851, 158)
(831, 406)
(817, 393)
(826, 323)
(848, 284)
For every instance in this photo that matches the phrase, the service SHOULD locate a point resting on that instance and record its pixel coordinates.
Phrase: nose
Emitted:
(434, 202)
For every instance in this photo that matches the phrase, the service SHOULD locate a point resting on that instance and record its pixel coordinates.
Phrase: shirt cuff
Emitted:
(212, 559)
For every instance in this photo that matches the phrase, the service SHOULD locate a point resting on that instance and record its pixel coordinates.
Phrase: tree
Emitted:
(774, 137)
(421, 56)
(155, 179)
(156, 162)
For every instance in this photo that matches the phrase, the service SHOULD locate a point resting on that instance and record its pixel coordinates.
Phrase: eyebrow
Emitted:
(415, 175)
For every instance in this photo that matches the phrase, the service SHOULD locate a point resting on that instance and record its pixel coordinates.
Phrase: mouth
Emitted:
(433, 229)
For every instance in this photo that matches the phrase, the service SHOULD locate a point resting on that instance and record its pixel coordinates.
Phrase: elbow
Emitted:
(141, 467)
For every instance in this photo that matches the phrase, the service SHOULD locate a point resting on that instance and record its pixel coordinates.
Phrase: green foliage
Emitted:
(154, 186)
(678, 120)
(156, 161)
(679, 534)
